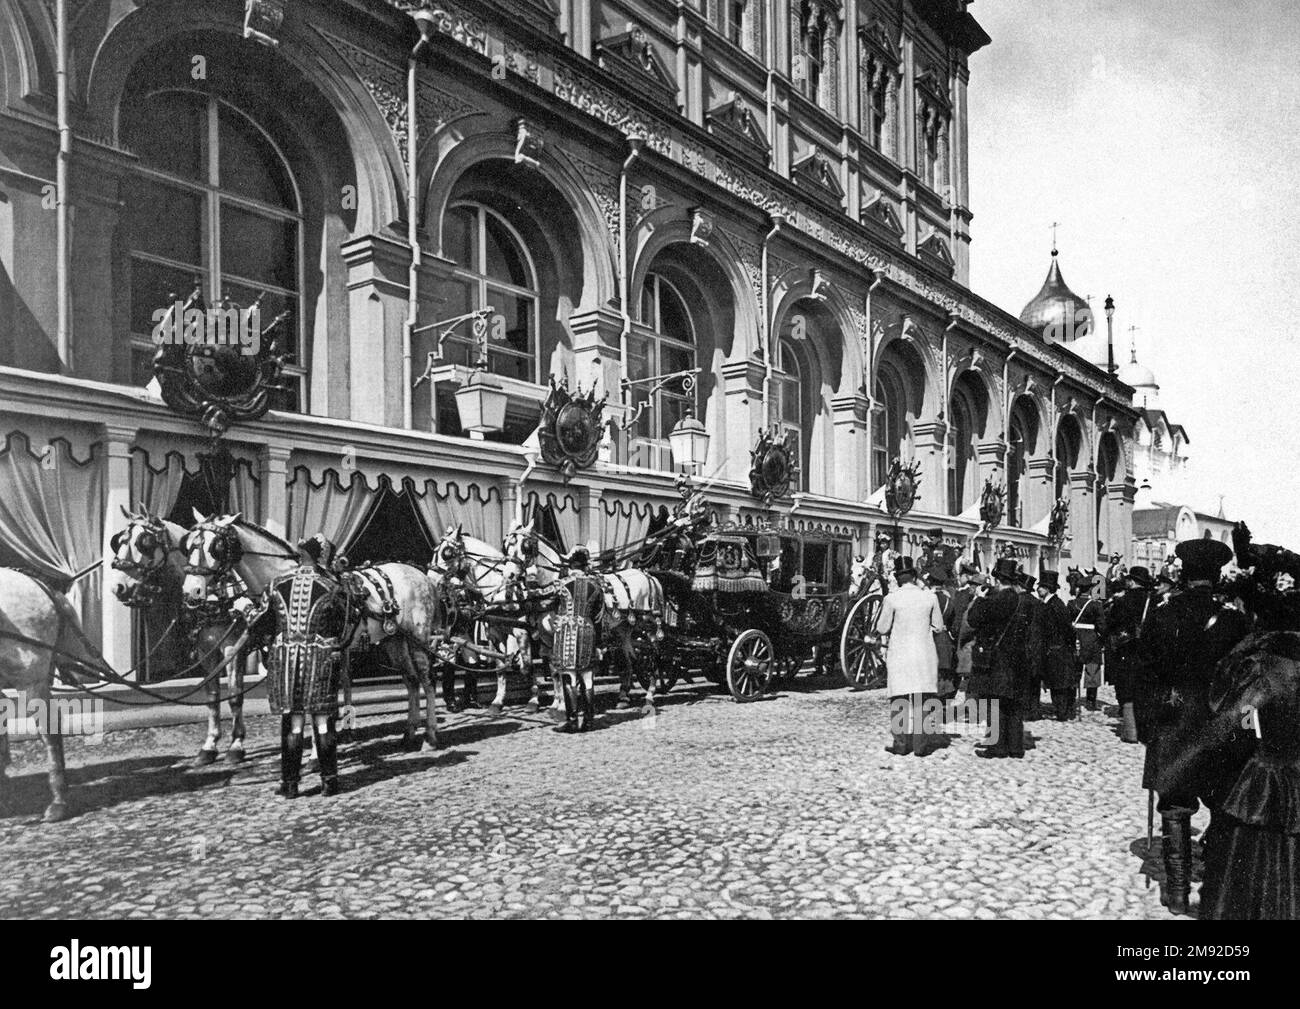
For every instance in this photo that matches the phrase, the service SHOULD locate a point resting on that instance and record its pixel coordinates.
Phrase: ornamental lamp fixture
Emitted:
(689, 442)
(481, 403)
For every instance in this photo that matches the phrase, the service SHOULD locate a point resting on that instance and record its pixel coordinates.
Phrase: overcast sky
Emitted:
(1164, 135)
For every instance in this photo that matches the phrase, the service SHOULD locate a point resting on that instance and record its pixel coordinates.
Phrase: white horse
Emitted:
(401, 612)
(149, 560)
(40, 635)
(503, 580)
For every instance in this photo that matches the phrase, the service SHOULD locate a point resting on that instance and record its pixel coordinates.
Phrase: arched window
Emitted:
(888, 419)
(661, 342)
(1017, 463)
(1068, 440)
(212, 202)
(493, 269)
(961, 453)
(789, 392)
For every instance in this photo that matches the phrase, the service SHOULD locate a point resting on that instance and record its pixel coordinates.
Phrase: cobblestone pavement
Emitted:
(786, 807)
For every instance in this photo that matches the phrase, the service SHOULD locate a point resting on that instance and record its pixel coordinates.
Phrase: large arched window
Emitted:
(661, 342)
(888, 418)
(212, 202)
(789, 393)
(1108, 532)
(493, 269)
(1068, 441)
(961, 453)
(1023, 443)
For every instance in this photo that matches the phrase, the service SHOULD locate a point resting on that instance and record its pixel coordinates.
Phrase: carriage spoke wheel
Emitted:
(860, 660)
(750, 665)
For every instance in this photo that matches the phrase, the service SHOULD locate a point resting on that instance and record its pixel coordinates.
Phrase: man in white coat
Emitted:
(911, 617)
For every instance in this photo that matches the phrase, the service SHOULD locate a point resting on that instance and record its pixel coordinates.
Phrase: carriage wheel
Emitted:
(860, 661)
(750, 665)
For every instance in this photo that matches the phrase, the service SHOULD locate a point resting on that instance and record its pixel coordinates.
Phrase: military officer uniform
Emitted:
(1088, 620)
(1177, 655)
(1055, 637)
(1126, 615)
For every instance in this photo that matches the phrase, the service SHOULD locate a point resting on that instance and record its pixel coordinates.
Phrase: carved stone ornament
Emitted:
(773, 467)
(993, 503)
(630, 57)
(737, 129)
(218, 365)
(879, 216)
(528, 144)
(902, 485)
(819, 286)
(571, 428)
(814, 174)
(262, 20)
(933, 249)
(702, 223)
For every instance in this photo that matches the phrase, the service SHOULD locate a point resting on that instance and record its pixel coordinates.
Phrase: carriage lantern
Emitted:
(689, 442)
(767, 547)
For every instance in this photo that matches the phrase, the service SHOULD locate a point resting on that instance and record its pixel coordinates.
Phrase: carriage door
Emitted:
(816, 566)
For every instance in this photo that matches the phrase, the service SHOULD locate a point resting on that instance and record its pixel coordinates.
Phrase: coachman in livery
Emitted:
(315, 610)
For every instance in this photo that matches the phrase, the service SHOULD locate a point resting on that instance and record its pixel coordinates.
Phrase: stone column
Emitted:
(1083, 517)
(734, 433)
(273, 471)
(1120, 497)
(929, 438)
(377, 306)
(851, 447)
(1040, 490)
(115, 619)
(589, 517)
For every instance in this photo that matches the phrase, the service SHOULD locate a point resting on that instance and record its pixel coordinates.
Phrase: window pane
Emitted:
(814, 560)
(673, 320)
(259, 248)
(519, 314)
(168, 132)
(153, 287)
(249, 165)
(505, 260)
(164, 220)
(288, 399)
(141, 366)
(790, 403)
(273, 303)
(457, 299)
(638, 366)
(673, 358)
(457, 242)
(674, 409)
(647, 307)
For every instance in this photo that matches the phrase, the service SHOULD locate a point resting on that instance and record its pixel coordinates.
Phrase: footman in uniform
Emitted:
(313, 609)
(1088, 619)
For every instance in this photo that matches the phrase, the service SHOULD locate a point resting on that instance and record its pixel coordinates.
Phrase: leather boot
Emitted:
(1128, 729)
(327, 751)
(290, 758)
(469, 696)
(449, 688)
(1092, 698)
(1176, 835)
(902, 745)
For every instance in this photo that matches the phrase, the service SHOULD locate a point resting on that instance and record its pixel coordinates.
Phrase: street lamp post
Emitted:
(688, 440)
(1110, 336)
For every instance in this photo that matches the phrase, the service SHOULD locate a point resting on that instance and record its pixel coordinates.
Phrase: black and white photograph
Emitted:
(651, 459)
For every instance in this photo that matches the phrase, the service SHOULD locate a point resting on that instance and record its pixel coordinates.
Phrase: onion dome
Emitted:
(1139, 376)
(1056, 312)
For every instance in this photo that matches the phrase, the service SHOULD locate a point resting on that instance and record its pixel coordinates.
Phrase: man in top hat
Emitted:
(1177, 655)
(883, 560)
(910, 616)
(1126, 616)
(938, 578)
(1088, 620)
(970, 579)
(1000, 620)
(1034, 657)
(1055, 638)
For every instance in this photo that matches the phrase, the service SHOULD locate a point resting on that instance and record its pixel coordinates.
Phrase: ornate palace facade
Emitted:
(774, 193)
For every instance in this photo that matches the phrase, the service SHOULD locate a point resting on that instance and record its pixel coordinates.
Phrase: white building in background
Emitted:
(1160, 462)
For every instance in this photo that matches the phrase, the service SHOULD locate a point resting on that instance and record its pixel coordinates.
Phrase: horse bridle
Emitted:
(225, 549)
(153, 542)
